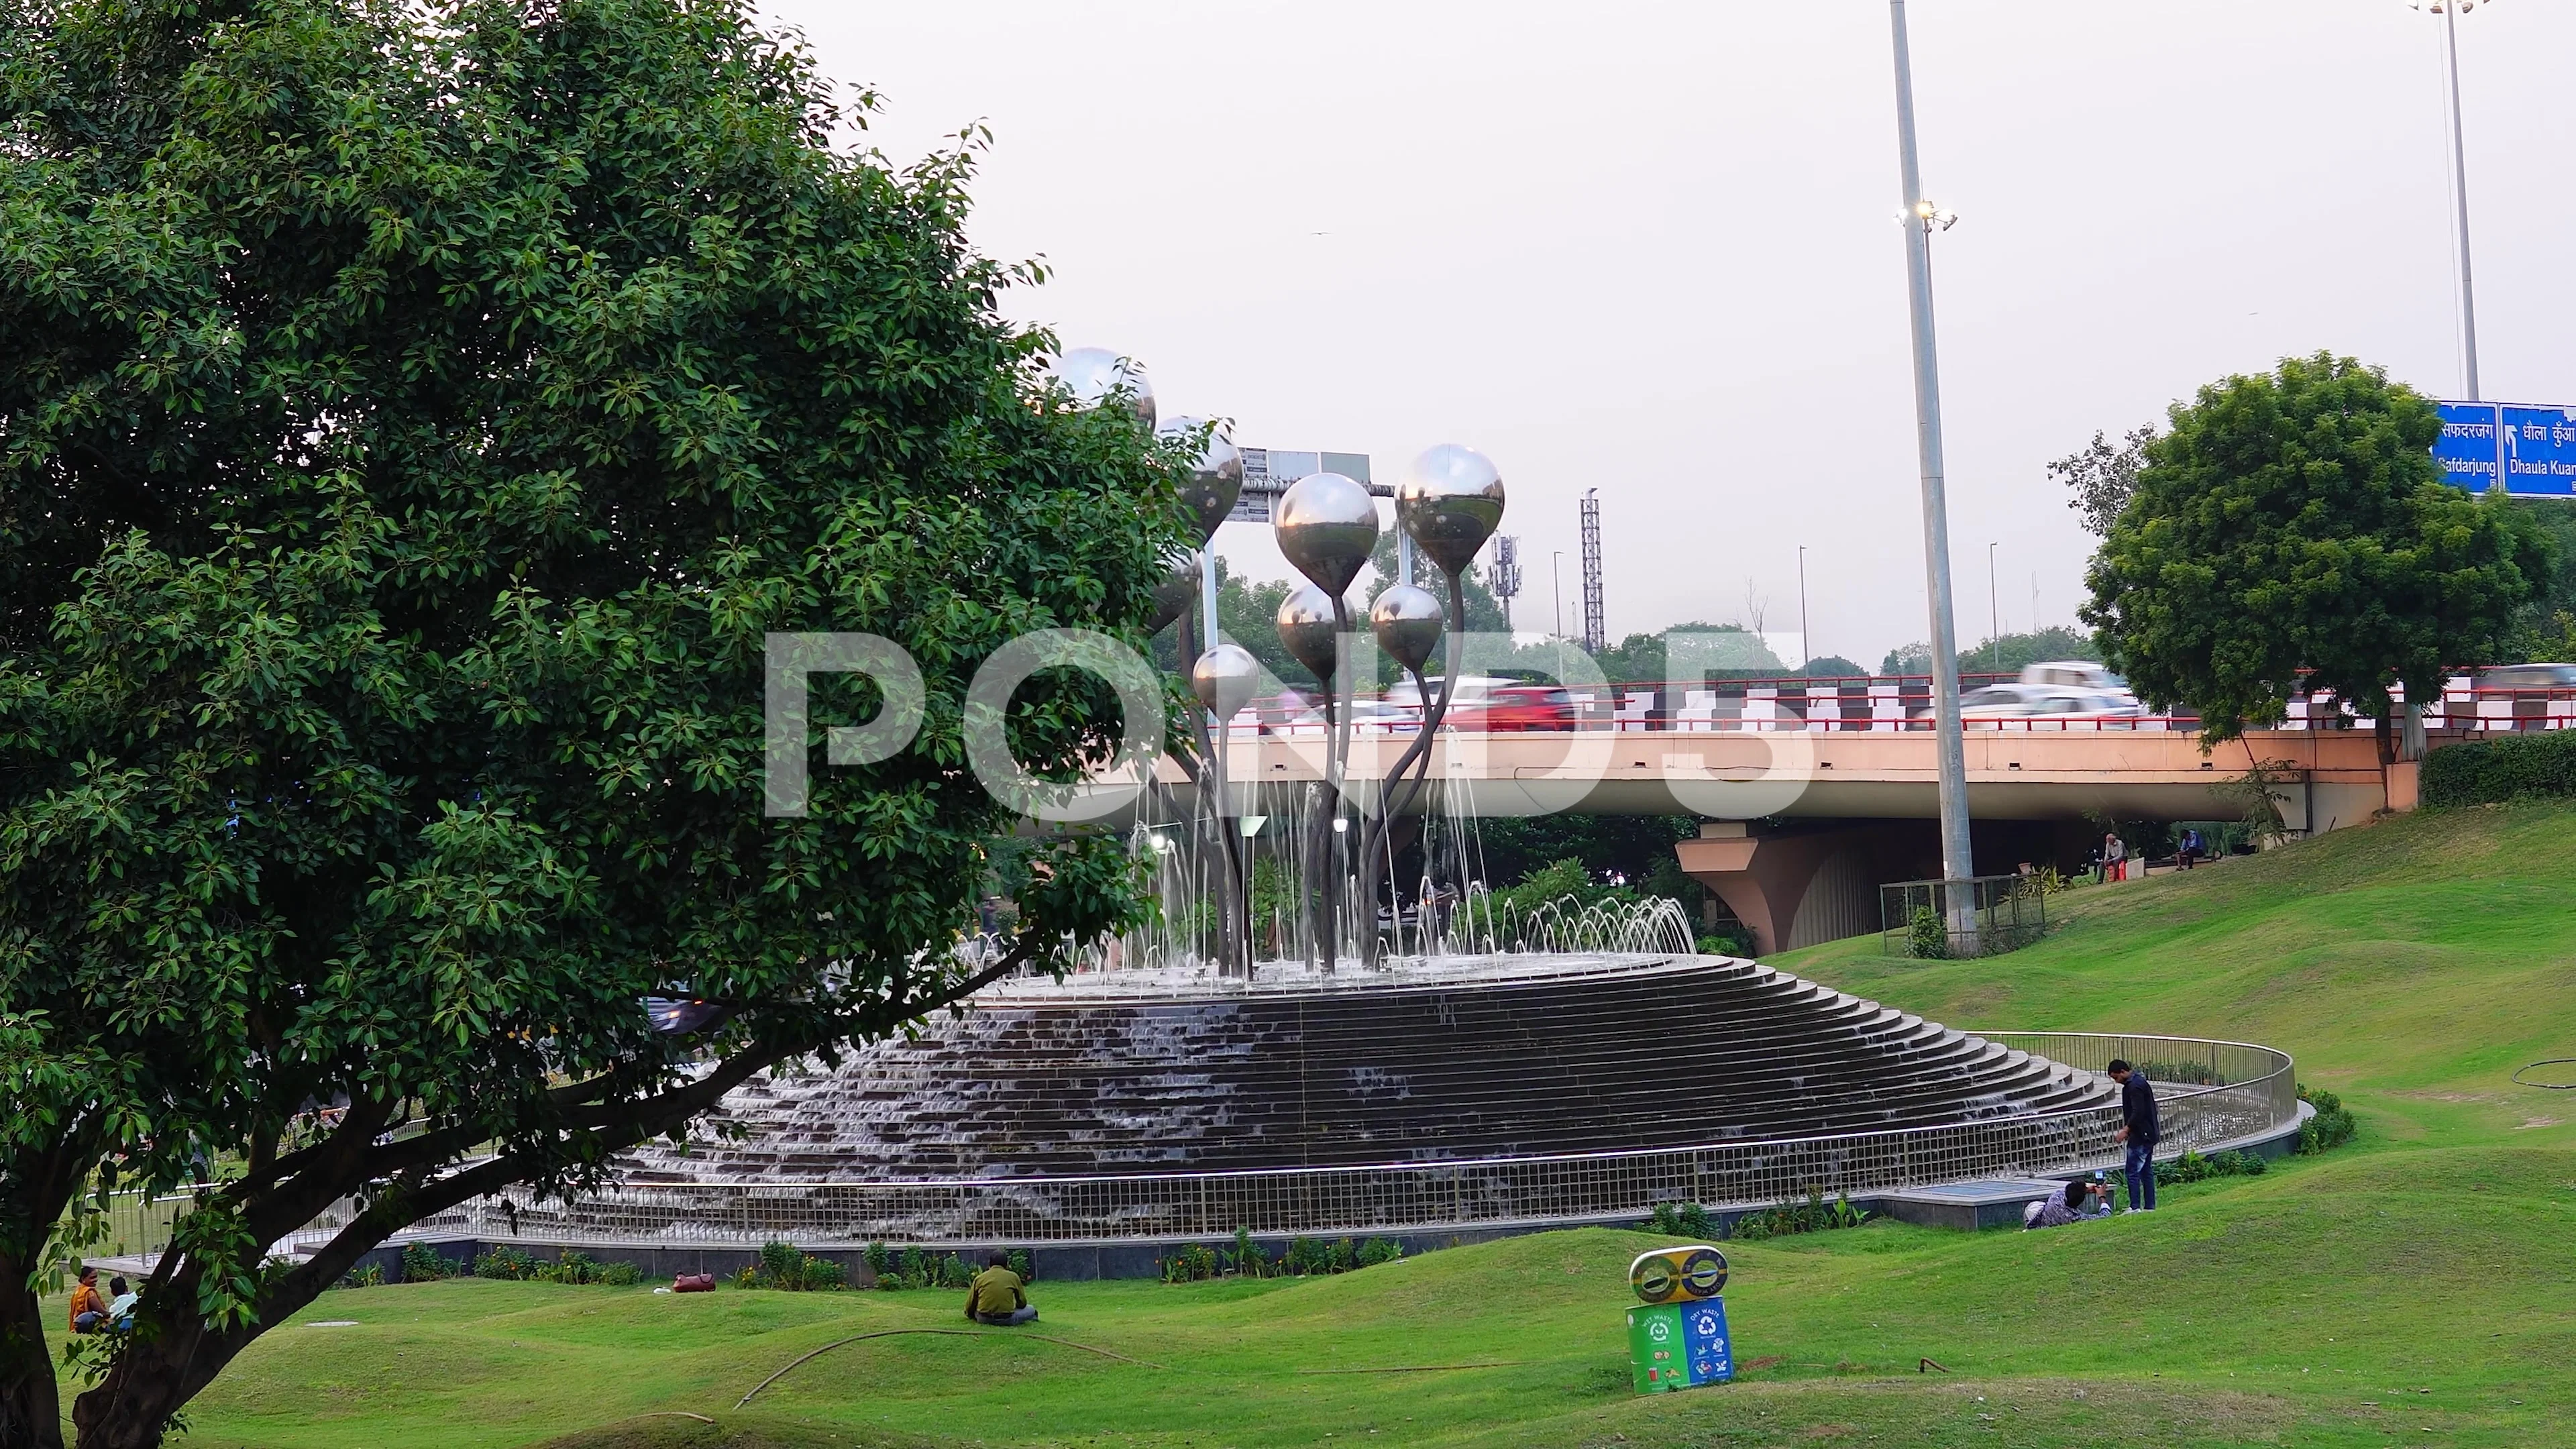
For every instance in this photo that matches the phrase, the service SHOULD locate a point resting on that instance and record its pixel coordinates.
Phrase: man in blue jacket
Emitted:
(2138, 1130)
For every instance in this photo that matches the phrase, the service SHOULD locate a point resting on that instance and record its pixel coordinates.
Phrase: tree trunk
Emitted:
(2385, 729)
(164, 1365)
(31, 1408)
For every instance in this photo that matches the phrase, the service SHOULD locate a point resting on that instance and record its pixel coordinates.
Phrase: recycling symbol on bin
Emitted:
(1659, 1330)
(1705, 1323)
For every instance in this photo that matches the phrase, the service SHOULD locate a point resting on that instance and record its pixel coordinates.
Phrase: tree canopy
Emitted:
(2100, 477)
(413, 420)
(2293, 524)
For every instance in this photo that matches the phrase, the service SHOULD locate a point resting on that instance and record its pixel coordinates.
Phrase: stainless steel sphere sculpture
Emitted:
(1225, 679)
(1176, 595)
(1091, 374)
(1307, 629)
(1326, 524)
(1216, 479)
(1451, 501)
(1409, 623)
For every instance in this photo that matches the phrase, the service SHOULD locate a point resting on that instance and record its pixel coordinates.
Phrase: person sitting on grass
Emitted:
(2059, 1209)
(120, 1304)
(89, 1311)
(995, 1297)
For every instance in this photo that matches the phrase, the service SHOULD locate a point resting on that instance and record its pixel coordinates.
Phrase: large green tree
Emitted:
(2290, 530)
(413, 419)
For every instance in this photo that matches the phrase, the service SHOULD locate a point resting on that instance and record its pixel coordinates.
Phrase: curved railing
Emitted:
(2245, 1093)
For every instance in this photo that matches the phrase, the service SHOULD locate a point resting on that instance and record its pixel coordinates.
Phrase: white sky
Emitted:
(1649, 248)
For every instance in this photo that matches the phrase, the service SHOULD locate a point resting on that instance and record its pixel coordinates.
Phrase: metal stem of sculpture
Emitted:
(1326, 525)
(1224, 676)
(1450, 502)
(1224, 679)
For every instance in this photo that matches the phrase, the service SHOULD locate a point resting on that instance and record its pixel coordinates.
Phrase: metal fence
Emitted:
(1953, 919)
(2242, 1092)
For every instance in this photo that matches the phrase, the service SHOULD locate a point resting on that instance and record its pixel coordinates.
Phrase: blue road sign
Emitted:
(2533, 449)
(2467, 448)
(2539, 450)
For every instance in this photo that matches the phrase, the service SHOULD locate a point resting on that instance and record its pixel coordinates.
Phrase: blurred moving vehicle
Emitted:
(2527, 676)
(2082, 675)
(2044, 707)
(1294, 714)
(1511, 707)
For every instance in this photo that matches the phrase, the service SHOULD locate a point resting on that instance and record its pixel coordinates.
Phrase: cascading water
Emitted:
(1447, 908)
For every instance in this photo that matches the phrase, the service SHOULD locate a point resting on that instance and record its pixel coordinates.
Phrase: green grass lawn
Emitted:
(2411, 1289)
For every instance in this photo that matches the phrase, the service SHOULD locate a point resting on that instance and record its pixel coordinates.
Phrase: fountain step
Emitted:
(1503, 1059)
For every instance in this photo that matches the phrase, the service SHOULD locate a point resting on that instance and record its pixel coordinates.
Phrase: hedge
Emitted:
(2506, 767)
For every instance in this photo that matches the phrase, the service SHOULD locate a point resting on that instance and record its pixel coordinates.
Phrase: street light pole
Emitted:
(1958, 861)
(2448, 10)
(1994, 615)
(1806, 641)
(1556, 575)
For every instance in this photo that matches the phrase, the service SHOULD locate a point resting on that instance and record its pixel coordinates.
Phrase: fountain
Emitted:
(1267, 1053)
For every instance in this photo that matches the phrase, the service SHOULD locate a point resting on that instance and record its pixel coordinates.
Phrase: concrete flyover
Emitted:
(1801, 826)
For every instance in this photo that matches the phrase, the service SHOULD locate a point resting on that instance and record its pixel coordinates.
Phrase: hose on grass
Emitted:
(2547, 1086)
(1421, 1368)
(939, 1332)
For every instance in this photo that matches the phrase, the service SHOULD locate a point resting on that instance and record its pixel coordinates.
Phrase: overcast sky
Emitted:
(1650, 248)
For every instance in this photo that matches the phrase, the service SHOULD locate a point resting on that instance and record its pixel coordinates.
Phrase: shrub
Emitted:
(780, 1265)
(421, 1264)
(1024, 1264)
(784, 1267)
(621, 1275)
(370, 1276)
(505, 1263)
(880, 1261)
(2333, 1126)
(2505, 767)
(1815, 1215)
(1189, 1264)
(1248, 1260)
(1379, 1250)
(1683, 1220)
(2192, 1167)
(1304, 1257)
(2197, 1074)
(1929, 940)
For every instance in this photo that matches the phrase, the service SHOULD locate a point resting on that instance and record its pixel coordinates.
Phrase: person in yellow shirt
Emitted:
(996, 1297)
(89, 1311)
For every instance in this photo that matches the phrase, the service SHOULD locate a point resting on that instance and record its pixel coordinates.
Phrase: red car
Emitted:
(1512, 708)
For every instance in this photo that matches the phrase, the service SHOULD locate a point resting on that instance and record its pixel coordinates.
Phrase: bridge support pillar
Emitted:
(1796, 886)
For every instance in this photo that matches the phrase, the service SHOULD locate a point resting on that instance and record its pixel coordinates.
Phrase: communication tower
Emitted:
(1595, 634)
(1504, 574)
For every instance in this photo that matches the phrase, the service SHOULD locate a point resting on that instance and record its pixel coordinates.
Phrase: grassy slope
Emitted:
(2412, 965)
(2411, 1287)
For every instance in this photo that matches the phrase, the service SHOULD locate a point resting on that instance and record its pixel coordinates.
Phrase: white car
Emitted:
(2044, 707)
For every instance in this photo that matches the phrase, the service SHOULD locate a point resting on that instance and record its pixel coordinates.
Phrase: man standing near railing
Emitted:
(2138, 1128)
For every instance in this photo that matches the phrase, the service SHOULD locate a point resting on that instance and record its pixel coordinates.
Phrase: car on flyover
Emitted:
(1511, 707)
(2528, 676)
(2044, 707)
